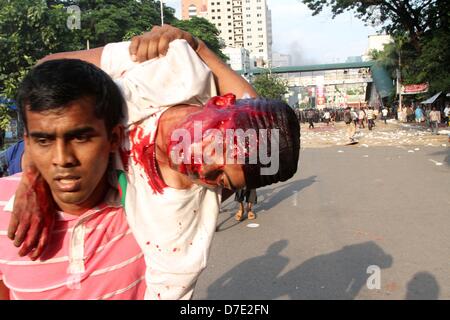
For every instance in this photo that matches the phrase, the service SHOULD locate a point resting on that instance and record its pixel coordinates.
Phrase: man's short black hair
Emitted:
(56, 83)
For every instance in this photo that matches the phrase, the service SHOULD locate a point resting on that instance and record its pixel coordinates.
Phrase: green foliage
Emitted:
(270, 86)
(29, 30)
(108, 21)
(4, 117)
(204, 30)
(32, 29)
(414, 17)
(431, 64)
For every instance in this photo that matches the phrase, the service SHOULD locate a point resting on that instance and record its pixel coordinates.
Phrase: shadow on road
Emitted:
(267, 199)
(445, 153)
(337, 275)
(423, 286)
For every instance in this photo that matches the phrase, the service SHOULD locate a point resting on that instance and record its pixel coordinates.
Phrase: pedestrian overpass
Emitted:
(333, 85)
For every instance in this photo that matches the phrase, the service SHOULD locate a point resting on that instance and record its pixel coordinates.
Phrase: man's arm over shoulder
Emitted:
(93, 56)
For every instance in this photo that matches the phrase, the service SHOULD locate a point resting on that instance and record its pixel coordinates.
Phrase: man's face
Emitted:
(230, 176)
(207, 164)
(71, 149)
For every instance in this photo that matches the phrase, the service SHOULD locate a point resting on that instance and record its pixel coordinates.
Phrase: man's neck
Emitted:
(167, 123)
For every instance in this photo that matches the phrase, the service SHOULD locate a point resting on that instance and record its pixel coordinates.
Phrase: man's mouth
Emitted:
(67, 183)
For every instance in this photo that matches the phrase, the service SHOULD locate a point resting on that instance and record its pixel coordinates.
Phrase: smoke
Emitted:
(298, 55)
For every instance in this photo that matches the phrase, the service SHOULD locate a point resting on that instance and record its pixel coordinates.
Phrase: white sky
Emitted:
(309, 39)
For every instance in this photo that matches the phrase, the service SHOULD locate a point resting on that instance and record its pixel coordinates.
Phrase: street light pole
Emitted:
(399, 77)
(162, 11)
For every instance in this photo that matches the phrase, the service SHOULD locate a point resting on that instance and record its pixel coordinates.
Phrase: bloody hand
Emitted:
(33, 215)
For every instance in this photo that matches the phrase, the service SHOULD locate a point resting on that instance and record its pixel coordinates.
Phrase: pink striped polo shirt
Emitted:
(92, 256)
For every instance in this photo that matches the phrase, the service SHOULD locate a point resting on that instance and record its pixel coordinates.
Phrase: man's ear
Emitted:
(116, 137)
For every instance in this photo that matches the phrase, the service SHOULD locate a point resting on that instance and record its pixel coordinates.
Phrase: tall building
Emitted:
(280, 60)
(193, 8)
(239, 59)
(376, 42)
(242, 23)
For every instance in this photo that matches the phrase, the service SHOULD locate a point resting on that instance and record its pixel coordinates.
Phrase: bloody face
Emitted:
(200, 147)
(71, 147)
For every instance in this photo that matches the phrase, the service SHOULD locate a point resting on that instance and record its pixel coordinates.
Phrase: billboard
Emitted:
(414, 88)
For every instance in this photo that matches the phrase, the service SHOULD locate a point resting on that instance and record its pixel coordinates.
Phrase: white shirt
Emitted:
(174, 229)
(361, 114)
(447, 111)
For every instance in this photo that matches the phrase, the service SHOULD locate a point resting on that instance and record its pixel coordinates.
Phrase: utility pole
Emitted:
(399, 77)
(162, 11)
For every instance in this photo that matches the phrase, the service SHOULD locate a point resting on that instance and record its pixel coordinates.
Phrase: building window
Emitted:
(192, 10)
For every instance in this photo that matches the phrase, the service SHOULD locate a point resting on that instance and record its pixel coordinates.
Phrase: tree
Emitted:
(204, 30)
(108, 21)
(416, 17)
(421, 33)
(4, 122)
(270, 86)
(28, 31)
(32, 29)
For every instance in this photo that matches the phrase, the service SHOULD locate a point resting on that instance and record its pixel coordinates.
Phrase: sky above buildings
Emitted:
(311, 39)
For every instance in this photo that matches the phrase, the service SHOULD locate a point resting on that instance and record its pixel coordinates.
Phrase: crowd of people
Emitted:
(429, 115)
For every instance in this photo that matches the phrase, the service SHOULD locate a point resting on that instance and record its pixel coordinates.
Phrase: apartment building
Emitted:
(239, 59)
(242, 24)
(193, 8)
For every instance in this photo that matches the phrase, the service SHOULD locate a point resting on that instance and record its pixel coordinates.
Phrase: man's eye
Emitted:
(213, 175)
(43, 141)
(83, 138)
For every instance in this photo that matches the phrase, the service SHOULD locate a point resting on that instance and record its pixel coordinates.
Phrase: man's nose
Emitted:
(64, 155)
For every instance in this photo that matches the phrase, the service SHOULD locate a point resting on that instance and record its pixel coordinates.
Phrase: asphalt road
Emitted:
(346, 209)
